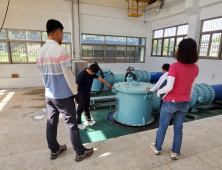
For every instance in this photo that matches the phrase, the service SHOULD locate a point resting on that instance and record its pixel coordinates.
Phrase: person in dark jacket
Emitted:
(84, 84)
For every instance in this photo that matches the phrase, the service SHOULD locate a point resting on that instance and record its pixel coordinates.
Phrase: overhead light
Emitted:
(159, 6)
(157, 10)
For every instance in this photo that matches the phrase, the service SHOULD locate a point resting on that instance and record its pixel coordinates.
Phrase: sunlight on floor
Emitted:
(6, 99)
(2, 92)
(105, 154)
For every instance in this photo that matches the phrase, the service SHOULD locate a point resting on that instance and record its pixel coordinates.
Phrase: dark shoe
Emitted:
(62, 148)
(87, 153)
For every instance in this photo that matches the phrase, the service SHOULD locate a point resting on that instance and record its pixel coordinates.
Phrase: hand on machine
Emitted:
(148, 88)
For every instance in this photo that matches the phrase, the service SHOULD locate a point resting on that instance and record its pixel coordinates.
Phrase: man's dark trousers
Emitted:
(84, 103)
(67, 108)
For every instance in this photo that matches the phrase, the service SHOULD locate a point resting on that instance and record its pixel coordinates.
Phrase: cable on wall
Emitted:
(5, 16)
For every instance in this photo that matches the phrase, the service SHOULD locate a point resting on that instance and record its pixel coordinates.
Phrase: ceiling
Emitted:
(122, 4)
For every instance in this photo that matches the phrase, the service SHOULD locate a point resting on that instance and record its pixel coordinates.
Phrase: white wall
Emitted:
(211, 11)
(208, 68)
(29, 76)
(33, 15)
(178, 19)
(30, 15)
(110, 21)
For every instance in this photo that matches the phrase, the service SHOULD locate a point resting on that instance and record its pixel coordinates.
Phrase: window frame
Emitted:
(41, 42)
(169, 37)
(116, 45)
(219, 56)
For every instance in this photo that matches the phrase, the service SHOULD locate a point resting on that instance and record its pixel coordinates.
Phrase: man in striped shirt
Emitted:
(53, 61)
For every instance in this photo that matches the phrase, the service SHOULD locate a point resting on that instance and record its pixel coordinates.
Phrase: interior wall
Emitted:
(33, 15)
(110, 21)
(210, 70)
(27, 15)
(178, 19)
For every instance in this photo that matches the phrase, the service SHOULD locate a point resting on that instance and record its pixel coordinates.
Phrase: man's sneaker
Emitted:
(81, 126)
(154, 149)
(90, 122)
(62, 148)
(174, 156)
(87, 153)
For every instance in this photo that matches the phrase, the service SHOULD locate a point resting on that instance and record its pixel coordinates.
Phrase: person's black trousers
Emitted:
(67, 108)
(84, 103)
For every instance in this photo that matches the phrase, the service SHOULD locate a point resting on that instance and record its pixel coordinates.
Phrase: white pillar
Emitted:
(75, 32)
(193, 11)
(149, 40)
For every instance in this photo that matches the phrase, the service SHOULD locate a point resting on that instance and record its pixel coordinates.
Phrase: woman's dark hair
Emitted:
(187, 51)
(166, 67)
(52, 25)
(94, 68)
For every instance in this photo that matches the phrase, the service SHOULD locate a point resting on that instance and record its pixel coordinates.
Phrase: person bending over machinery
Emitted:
(84, 84)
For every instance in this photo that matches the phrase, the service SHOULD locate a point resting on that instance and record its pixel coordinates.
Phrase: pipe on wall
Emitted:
(72, 35)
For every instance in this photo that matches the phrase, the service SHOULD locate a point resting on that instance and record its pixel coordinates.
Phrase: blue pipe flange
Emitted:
(206, 94)
(147, 76)
(141, 76)
(114, 77)
(200, 95)
(193, 101)
(211, 91)
(137, 75)
(144, 76)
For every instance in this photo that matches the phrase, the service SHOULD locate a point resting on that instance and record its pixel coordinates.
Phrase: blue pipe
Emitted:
(218, 91)
(112, 78)
(155, 76)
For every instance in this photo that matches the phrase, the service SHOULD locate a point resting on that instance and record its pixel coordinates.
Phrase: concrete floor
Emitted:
(23, 143)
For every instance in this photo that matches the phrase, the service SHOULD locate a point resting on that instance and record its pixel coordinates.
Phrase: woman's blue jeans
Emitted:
(178, 111)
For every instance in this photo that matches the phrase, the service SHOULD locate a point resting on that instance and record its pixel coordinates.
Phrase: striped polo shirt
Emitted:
(51, 59)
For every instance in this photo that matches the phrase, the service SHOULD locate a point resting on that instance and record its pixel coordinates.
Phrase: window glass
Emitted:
(154, 47)
(66, 37)
(135, 41)
(97, 39)
(171, 47)
(170, 32)
(24, 35)
(68, 48)
(212, 25)
(204, 44)
(110, 54)
(115, 40)
(99, 53)
(159, 47)
(120, 53)
(4, 56)
(130, 54)
(215, 45)
(182, 30)
(3, 34)
(87, 53)
(140, 52)
(165, 47)
(18, 52)
(158, 33)
(32, 50)
(44, 36)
